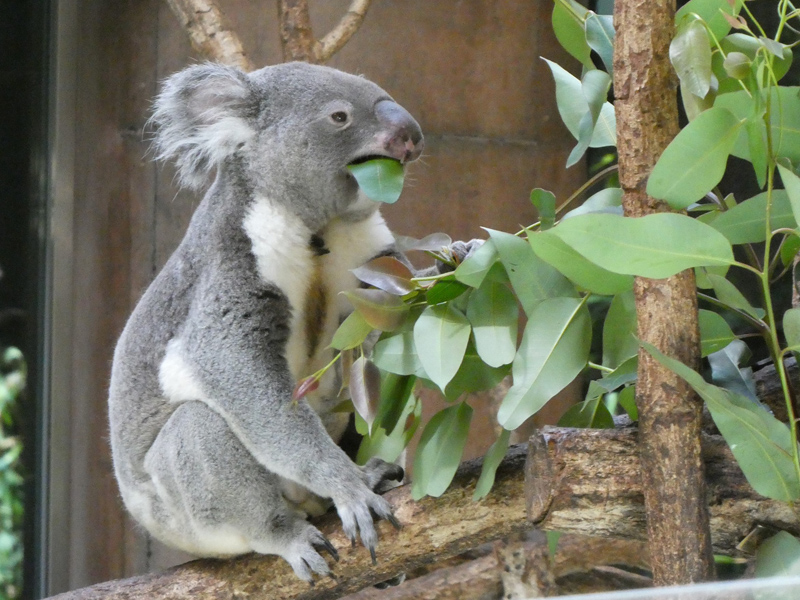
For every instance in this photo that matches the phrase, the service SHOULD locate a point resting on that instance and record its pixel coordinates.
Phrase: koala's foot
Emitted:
(303, 553)
(356, 513)
(382, 476)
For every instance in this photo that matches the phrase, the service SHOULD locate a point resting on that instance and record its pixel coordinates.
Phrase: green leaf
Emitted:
(380, 309)
(351, 333)
(567, 20)
(711, 11)
(532, 279)
(439, 452)
(545, 203)
(785, 121)
(389, 446)
(791, 327)
(554, 350)
(715, 333)
(396, 392)
(494, 456)
(380, 179)
(608, 200)
(690, 54)
(572, 106)
(600, 37)
(388, 274)
(727, 293)
(627, 400)
(441, 334)
(779, 556)
(792, 184)
(745, 44)
(761, 444)
(397, 354)
(727, 373)
(476, 267)
(576, 268)
(365, 389)
(695, 160)
(493, 313)
(474, 375)
(746, 222)
(445, 290)
(552, 542)
(594, 86)
(655, 246)
(619, 331)
(434, 242)
(589, 414)
(624, 374)
(789, 249)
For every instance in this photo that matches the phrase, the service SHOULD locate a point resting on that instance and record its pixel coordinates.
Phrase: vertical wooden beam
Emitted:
(669, 411)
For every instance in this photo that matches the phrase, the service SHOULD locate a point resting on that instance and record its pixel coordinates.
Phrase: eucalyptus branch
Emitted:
(589, 183)
(337, 37)
(755, 322)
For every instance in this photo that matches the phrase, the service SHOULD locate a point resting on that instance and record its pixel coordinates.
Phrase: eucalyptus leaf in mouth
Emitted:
(380, 178)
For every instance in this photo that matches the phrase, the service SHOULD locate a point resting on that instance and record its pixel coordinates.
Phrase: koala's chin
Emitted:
(204, 432)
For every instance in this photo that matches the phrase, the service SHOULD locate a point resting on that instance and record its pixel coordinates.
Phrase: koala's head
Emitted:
(289, 130)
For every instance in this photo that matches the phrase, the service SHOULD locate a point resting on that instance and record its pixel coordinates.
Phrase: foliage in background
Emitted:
(457, 332)
(12, 382)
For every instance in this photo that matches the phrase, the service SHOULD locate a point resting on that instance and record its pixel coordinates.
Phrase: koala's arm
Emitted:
(234, 344)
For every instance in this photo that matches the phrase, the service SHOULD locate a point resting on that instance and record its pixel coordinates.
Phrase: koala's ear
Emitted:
(203, 114)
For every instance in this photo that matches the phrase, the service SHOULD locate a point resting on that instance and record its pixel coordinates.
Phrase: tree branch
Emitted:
(337, 37)
(210, 32)
(670, 413)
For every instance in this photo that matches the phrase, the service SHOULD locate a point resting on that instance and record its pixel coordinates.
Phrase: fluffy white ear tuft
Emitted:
(203, 114)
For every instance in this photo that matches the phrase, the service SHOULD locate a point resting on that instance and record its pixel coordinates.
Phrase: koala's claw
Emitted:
(326, 545)
(372, 554)
(393, 520)
(303, 557)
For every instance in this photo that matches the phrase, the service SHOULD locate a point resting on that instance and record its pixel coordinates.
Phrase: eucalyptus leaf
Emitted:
(600, 37)
(619, 331)
(761, 444)
(439, 452)
(553, 351)
(532, 279)
(690, 54)
(396, 392)
(441, 334)
(791, 326)
(695, 160)
(493, 313)
(545, 203)
(608, 200)
(474, 375)
(779, 556)
(711, 11)
(746, 222)
(748, 45)
(380, 179)
(576, 268)
(792, 184)
(655, 246)
(365, 386)
(389, 446)
(380, 309)
(624, 374)
(445, 290)
(494, 456)
(388, 274)
(351, 333)
(715, 333)
(627, 400)
(789, 249)
(728, 294)
(589, 414)
(397, 354)
(431, 243)
(727, 373)
(567, 21)
(476, 267)
(594, 85)
(572, 106)
(785, 120)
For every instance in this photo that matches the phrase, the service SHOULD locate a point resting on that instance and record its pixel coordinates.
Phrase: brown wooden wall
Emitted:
(469, 71)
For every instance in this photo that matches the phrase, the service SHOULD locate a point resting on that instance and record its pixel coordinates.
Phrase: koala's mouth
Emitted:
(369, 157)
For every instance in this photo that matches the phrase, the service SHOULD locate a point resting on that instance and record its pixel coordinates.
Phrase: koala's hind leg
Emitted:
(214, 499)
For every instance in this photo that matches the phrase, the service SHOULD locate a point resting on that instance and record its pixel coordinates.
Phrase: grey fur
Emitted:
(208, 445)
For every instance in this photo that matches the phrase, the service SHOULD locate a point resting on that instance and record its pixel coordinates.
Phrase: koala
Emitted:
(212, 454)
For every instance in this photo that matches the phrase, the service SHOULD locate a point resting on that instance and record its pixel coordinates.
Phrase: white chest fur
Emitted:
(281, 245)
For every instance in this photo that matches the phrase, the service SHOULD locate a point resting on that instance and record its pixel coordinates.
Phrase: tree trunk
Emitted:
(669, 411)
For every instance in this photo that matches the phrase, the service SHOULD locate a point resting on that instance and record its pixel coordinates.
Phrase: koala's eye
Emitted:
(339, 117)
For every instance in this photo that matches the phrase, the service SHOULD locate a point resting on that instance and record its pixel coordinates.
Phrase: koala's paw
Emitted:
(356, 515)
(459, 252)
(304, 557)
(381, 476)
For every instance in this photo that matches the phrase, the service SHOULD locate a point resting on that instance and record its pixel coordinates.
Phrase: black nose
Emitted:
(403, 137)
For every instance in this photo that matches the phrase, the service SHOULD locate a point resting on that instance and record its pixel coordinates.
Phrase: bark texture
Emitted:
(589, 482)
(297, 35)
(669, 411)
(210, 32)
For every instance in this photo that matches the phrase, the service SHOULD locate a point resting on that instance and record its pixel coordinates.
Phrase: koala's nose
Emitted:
(402, 138)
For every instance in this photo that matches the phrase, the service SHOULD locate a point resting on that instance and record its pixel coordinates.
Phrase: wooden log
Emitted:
(588, 481)
(433, 529)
